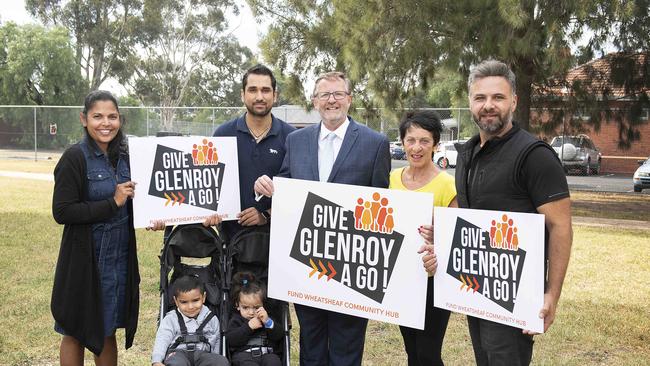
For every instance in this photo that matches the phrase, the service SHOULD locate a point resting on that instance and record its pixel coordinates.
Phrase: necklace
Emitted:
(258, 136)
(416, 182)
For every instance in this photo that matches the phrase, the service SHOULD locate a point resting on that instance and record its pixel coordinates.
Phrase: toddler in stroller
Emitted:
(248, 252)
(191, 252)
(188, 335)
(253, 336)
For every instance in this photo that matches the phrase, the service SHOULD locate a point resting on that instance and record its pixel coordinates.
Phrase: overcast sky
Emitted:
(243, 26)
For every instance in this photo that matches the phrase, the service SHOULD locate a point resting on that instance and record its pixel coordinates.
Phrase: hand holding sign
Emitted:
(429, 260)
(124, 191)
(250, 217)
(213, 220)
(426, 232)
(547, 313)
(156, 225)
(264, 186)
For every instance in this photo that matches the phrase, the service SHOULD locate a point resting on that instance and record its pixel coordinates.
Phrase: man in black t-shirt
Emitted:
(506, 168)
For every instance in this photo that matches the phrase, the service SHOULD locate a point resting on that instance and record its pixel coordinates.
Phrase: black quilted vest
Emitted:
(491, 179)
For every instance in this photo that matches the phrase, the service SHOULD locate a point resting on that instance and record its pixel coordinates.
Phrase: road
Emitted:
(601, 183)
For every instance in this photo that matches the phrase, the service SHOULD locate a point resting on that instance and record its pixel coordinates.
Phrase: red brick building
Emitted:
(607, 99)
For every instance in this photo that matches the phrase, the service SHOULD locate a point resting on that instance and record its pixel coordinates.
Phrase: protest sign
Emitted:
(349, 249)
(183, 180)
(490, 265)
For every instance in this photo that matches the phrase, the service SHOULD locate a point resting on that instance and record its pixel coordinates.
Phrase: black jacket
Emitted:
(241, 337)
(76, 295)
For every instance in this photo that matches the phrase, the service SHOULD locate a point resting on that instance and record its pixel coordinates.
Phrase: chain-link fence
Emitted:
(50, 129)
(41, 132)
(53, 128)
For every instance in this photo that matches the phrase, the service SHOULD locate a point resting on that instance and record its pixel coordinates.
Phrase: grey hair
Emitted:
(332, 76)
(492, 68)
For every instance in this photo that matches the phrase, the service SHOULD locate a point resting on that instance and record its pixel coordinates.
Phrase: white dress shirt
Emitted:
(338, 141)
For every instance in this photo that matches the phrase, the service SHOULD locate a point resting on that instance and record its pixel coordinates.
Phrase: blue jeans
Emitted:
(110, 237)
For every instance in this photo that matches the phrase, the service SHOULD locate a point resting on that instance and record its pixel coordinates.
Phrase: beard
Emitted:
(497, 125)
(252, 111)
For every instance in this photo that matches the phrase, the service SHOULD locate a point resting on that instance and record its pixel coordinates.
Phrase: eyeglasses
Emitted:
(338, 95)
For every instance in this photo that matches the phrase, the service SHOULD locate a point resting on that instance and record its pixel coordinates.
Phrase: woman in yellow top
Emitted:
(420, 133)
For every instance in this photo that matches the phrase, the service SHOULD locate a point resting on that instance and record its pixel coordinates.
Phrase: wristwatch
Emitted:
(266, 215)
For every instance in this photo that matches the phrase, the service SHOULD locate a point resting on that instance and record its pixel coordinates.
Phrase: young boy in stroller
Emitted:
(254, 337)
(188, 335)
(246, 251)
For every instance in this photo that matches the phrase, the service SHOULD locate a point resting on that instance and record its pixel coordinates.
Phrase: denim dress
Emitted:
(111, 237)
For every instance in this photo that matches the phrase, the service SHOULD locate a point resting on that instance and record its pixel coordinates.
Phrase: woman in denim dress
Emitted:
(96, 282)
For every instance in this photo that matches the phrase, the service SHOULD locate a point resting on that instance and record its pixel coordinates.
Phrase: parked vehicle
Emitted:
(577, 152)
(641, 178)
(398, 153)
(446, 155)
(397, 150)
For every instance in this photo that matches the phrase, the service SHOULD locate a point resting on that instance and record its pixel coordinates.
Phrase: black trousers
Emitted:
(329, 338)
(498, 344)
(247, 359)
(424, 347)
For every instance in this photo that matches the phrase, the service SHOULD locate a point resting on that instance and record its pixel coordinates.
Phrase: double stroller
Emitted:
(199, 251)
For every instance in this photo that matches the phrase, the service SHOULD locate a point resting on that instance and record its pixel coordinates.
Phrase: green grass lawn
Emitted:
(28, 166)
(602, 317)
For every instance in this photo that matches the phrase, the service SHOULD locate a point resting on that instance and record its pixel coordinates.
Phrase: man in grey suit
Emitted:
(337, 150)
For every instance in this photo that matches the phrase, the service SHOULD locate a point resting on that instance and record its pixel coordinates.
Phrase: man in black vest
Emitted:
(506, 168)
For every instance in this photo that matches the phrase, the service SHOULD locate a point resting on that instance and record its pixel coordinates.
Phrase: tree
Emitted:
(37, 67)
(105, 32)
(190, 59)
(394, 47)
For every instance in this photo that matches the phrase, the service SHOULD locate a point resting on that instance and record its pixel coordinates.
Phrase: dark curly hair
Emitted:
(246, 283)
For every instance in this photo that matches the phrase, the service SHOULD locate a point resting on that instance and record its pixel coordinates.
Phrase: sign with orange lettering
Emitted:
(490, 265)
(183, 180)
(349, 249)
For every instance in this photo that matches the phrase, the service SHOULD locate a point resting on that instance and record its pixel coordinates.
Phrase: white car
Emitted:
(446, 155)
(641, 177)
(397, 150)
(577, 152)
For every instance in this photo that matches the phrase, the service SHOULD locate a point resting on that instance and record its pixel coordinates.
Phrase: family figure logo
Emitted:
(205, 154)
(192, 178)
(374, 215)
(357, 248)
(504, 234)
(488, 262)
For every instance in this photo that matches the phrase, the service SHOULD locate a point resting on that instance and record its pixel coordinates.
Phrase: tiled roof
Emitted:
(608, 75)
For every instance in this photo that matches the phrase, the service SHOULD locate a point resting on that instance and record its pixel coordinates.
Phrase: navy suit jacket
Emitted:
(364, 158)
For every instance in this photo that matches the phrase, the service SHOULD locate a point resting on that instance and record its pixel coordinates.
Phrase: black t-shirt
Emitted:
(543, 177)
